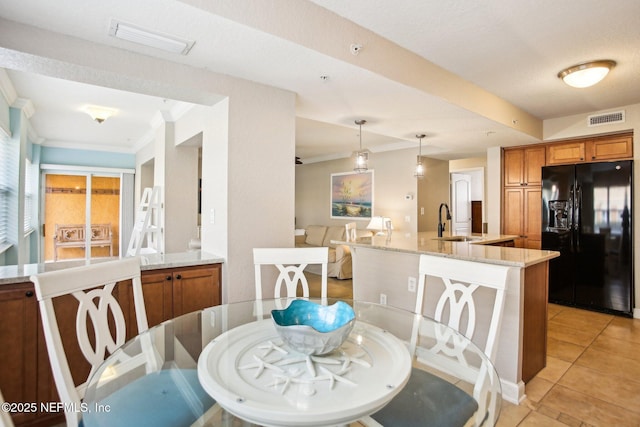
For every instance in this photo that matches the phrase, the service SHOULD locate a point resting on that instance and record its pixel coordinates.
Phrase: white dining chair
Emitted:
(5, 416)
(350, 231)
(428, 399)
(161, 397)
(290, 263)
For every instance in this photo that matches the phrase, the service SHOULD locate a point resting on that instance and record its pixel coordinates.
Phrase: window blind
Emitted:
(8, 174)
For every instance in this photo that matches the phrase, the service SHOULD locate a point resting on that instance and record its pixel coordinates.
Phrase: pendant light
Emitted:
(361, 156)
(419, 173)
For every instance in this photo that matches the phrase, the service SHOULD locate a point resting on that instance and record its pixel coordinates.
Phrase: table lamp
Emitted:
(380, 223)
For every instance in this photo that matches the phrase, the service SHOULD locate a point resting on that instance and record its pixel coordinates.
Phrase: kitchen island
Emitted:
(386, 270)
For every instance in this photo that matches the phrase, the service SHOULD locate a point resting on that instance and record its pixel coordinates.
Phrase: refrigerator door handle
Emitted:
(577, 207)
(576, 218)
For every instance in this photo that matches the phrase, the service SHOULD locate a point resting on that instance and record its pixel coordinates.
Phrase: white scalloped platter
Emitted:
(252, 374)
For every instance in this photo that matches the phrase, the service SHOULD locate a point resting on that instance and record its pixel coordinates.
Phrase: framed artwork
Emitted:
(352, 195)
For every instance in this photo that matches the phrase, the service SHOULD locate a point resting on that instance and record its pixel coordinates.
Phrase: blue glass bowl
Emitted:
(312, 328)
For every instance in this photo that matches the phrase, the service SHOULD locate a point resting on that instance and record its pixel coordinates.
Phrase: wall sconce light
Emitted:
(586, 74)
(99, 114)
(361, 156)
(419, 173)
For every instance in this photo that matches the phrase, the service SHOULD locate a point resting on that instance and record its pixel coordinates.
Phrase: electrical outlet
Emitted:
(383, 299)
(407, 218)
(411, 284)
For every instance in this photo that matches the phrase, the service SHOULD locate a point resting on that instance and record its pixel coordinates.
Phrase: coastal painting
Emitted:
(352, 195)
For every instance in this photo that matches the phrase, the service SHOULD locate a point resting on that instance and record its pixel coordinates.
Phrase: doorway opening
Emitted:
(467, 201)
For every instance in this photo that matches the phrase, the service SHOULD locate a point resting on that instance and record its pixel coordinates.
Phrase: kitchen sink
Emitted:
(458, 238)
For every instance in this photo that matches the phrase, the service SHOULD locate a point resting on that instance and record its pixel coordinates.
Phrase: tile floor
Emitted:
(592, 376)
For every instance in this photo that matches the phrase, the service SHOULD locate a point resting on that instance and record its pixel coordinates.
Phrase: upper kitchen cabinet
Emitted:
(523, 166)
(616, 147)
(604, 148)
(566, 152)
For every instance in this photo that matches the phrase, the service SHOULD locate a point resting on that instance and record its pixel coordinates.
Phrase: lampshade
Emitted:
(586, 74)
(99, 114)
(361, 156)
(380, 223)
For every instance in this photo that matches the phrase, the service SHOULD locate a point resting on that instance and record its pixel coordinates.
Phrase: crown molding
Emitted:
(25, 105)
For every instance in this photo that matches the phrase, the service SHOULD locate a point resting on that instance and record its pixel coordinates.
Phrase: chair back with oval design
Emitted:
(92, 286)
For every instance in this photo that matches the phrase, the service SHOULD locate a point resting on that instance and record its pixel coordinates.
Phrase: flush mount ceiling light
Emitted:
(586, 74)
(419, 173)
(361, 156)
(99, 114)
(132, 33)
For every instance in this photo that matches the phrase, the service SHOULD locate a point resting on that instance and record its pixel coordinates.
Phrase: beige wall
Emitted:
(393, 181)
(576, 126)
(433, 189)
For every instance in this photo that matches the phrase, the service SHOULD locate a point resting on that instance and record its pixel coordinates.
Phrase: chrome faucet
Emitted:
(440, 224)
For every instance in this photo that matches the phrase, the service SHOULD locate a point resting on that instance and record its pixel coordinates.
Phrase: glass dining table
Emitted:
(246, 374)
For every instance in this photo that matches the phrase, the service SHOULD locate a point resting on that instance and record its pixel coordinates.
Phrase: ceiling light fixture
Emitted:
(361, 156)
(99, 114)
(132, 33)
(419, 173)
(586, 74)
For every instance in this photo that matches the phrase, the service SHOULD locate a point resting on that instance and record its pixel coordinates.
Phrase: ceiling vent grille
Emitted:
(135, 34)
(605, 119)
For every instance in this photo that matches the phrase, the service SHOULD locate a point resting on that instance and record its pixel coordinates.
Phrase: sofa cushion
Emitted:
(315, 235)
(334, 232)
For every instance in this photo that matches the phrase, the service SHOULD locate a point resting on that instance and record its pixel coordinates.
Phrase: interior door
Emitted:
(461, 198)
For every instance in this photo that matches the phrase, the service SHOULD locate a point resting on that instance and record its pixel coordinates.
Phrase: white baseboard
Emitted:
(512, 392)
(636, 313)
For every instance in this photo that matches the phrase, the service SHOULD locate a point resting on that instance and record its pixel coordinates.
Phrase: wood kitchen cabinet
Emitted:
(18, 346)
(534, 320)
(566, 152)
(522, 216)
(604, 148)
(610, 148)
(180, 291)
(523, 166)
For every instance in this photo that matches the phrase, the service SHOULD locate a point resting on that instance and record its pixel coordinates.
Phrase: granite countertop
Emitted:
(475, 247)
(20, 273)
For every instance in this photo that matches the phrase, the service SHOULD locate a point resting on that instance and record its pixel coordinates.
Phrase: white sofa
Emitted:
(339, 265)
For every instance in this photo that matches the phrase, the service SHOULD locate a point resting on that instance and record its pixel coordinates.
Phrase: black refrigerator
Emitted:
(587, 217)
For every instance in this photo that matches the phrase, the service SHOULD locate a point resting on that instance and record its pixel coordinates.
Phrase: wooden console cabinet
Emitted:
(25, 371)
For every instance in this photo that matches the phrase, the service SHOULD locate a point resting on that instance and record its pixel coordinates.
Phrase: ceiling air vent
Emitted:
(135, 34)
(605, 119)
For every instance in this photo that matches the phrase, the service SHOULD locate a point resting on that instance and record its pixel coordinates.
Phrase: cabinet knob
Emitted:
(168, 278)
(28, 294)
(178, 276)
